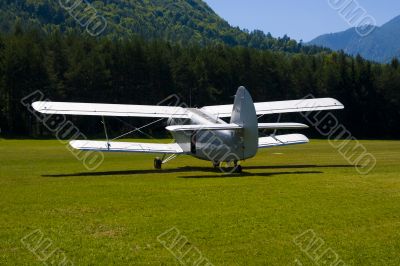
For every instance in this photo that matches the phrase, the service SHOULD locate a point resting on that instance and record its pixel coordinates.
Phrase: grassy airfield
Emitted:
(115, 214)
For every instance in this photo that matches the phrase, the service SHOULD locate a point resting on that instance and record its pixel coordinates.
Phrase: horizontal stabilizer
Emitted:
(235, 126)
(280, 107)
(204, 127)
(281, 126)
(282, 140)
(86, 145)
(122, 110)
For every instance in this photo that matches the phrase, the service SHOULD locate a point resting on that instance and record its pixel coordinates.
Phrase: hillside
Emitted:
(382, 45)
(182, 21)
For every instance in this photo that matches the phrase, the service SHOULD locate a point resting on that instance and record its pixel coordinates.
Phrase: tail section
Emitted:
(244, 114)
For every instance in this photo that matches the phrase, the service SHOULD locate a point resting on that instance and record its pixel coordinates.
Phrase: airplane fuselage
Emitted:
(221, 145)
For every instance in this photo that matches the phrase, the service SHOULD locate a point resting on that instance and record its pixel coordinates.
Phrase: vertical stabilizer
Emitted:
(244, 114)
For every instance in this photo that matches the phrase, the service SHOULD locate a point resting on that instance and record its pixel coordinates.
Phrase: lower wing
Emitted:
(172, 148)
(282, 140)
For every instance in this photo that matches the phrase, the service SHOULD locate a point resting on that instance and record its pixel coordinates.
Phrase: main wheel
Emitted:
(157, 163)
(216, 164)
(238, 169)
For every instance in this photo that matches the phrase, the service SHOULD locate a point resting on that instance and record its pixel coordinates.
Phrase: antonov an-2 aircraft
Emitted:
(200, 133)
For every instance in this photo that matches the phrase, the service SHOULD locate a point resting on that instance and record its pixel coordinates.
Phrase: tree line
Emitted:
(71, 67)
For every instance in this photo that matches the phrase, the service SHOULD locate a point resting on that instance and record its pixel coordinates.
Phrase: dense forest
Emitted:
(69, 67)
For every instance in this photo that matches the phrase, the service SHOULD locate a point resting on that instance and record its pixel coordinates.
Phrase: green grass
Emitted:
(113, 216)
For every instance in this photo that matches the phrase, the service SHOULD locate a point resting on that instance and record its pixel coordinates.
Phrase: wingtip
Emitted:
(338, 104)
(305, 138)
(170, 128)
(74, 144)
(37, 105)
(40, 106)
(79, 144)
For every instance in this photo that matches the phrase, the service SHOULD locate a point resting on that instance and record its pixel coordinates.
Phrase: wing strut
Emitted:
(279, 120)
(105, 131)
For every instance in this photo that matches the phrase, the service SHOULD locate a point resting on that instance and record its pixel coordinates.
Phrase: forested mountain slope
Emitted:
(182, 21)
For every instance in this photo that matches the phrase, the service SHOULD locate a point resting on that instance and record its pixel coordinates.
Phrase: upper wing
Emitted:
(280, 107)
(96, 109)
(282, 140)
(86, 145)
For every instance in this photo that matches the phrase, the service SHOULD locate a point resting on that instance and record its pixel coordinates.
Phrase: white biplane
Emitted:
(200, 133)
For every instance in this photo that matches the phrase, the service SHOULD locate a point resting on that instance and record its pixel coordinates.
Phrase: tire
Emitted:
(157, 163)
(239, 169)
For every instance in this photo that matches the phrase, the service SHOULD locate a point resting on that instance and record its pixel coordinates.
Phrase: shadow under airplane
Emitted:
(217, 172)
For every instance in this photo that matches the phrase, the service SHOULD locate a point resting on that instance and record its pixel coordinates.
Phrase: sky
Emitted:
(299, 19)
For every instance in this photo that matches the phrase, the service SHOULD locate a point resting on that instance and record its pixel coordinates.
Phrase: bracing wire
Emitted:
(137, 129)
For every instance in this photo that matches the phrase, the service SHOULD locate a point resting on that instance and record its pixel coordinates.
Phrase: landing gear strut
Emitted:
(158, 163)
